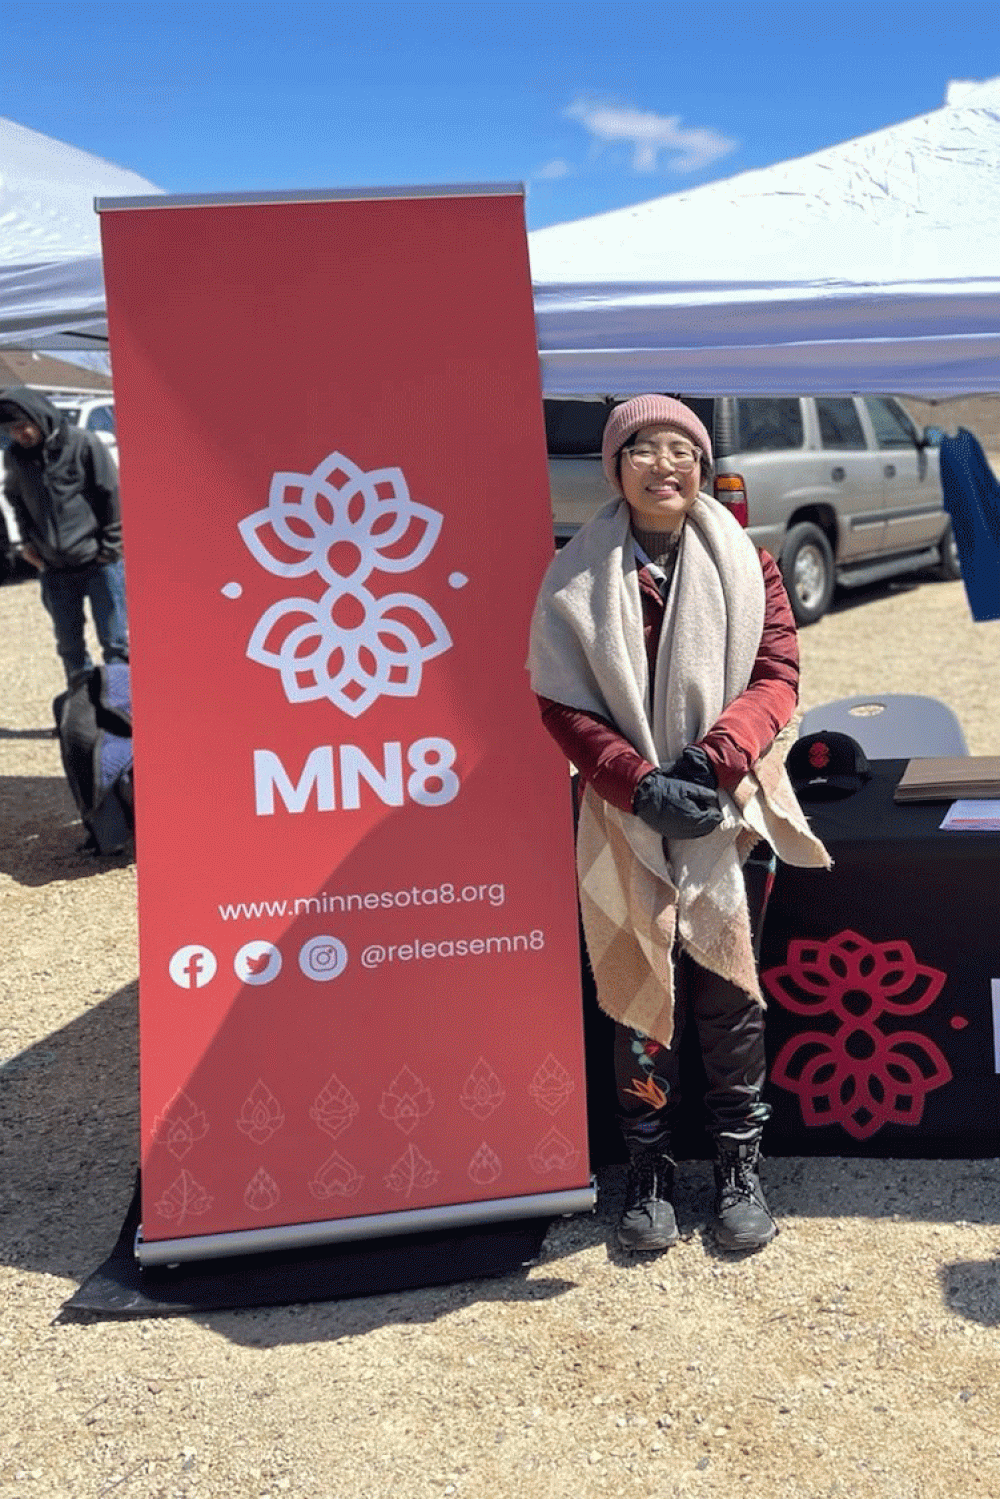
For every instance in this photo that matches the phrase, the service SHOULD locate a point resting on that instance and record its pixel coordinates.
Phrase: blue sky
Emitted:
(592, 105)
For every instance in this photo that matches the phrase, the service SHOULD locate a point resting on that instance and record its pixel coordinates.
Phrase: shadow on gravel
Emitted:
(42, 833)
(331, 1321)
(971, 1288)
(950, 1191)
(69, 1129)
(926, 1191)
(846, 599)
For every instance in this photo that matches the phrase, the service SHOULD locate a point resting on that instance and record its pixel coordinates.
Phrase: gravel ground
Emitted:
(856, 1356)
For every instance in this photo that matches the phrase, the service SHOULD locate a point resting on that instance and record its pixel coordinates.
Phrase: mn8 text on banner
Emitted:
(359, 970)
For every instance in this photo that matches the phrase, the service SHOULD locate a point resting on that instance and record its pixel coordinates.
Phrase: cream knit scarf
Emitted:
(638, 894)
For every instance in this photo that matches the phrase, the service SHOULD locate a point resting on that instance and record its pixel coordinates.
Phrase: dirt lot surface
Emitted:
(855, 1358)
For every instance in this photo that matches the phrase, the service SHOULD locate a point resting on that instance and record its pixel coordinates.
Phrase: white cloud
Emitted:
(688, 149)
(553, 169)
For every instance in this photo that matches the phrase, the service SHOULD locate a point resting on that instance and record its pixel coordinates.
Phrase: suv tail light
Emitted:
(731, 491)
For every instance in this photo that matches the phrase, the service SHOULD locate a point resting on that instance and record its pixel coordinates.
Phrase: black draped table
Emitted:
(882, 976)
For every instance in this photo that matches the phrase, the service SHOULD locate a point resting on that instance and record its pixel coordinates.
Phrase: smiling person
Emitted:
(63, 486)
(665, 658)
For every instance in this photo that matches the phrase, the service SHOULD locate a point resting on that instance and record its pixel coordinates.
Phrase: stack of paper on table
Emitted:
(943, 778)
(966, 816)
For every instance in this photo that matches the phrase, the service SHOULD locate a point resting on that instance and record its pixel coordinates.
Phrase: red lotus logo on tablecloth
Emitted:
(858, 1076)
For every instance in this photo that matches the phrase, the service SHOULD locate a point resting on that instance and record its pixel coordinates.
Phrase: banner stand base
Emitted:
(121, 1287)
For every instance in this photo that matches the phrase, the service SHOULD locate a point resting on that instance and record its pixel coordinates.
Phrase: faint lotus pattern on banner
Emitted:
(485, 1166)
(261, 1115)
(858, 1075)
(335, 1178)
(334, 1108)
(553, 1153)
(551, 1085)
(344, 524)
(184, 1198)
(412, 1172)
(406, 1101)
(180, 1125)
(482, 1092)
(262, 1192)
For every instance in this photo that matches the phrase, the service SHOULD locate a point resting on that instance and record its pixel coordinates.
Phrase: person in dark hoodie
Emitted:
(63, 487)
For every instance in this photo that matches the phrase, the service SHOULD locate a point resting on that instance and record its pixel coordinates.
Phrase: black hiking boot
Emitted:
(742, 1218)
(647, 1221)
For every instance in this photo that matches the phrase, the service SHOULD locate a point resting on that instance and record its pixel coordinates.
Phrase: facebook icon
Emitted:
(193, 967)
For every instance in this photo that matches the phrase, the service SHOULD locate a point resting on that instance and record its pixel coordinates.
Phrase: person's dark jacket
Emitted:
(64, 492)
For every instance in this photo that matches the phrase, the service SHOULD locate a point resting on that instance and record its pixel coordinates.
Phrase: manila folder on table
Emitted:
(943, 778)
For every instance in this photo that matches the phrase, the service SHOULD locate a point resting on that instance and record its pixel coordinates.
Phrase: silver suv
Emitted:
(840, 489)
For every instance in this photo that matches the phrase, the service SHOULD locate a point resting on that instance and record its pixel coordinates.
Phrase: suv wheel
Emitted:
(949, 567)
(807, 568)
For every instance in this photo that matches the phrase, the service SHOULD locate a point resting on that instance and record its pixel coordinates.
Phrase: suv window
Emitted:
(891, 430)
(575, 428)
(769, 426)
(839, 423)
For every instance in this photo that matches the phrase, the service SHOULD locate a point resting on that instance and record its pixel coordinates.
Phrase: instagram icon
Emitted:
(322, 959)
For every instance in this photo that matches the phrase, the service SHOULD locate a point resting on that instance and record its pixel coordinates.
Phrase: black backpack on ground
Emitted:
(94, 725)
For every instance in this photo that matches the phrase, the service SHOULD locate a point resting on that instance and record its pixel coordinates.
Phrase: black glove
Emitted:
(693, 765)
(674, 808)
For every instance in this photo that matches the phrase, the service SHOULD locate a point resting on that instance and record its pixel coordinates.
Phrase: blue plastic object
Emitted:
(972, 500)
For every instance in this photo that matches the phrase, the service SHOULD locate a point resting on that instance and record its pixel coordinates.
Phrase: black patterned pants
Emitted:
(730, 1029)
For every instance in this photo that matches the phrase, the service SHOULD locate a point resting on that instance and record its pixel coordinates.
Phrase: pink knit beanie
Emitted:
(643, 411)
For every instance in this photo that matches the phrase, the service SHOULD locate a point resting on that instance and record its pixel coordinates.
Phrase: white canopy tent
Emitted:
(51, 288)
(871, 266)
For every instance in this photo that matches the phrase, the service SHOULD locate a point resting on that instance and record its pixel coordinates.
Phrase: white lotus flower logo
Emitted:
(347, 645)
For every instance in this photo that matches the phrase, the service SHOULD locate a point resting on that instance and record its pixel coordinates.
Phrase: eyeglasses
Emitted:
(644, 455)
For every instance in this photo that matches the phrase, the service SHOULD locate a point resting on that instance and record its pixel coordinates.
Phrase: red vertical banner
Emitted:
(359, 971)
